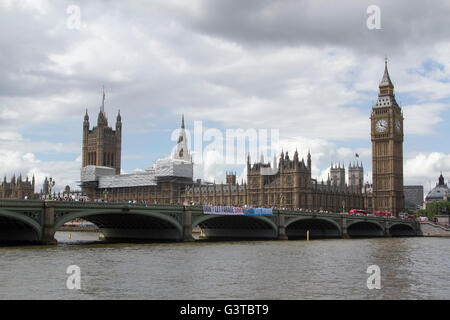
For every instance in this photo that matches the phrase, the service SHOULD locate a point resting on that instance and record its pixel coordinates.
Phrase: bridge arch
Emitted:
(318, 227)
(236, 226)
(365, 228)
(401, 230)
(18, 227)
(118, 224)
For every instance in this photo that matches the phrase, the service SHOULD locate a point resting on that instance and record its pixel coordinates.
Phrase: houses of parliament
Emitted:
(285, 183)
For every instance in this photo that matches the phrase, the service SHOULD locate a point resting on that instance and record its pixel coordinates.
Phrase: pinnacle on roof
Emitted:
(386, 81)
(102, 108)
(441, 180)
(102, 119)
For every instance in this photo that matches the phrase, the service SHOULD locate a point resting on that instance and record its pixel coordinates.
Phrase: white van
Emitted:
(82, 198)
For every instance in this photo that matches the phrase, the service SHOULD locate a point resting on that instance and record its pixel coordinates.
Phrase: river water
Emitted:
(411, 268)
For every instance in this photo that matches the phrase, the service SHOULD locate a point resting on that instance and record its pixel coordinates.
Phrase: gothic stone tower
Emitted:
(289, 185)
(231, 178)
(387, 149)
(356, 176)
(337, 176)
(102, 145)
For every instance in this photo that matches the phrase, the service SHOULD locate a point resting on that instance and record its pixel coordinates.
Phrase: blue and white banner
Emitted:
(258, 211)
(237, 211)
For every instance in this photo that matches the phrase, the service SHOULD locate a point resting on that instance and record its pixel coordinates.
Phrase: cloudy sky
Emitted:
(309, 69)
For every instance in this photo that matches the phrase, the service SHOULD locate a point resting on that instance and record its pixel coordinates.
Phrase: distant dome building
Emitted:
(439, 193)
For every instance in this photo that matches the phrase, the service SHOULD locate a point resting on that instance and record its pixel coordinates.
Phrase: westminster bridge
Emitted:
(37, 222)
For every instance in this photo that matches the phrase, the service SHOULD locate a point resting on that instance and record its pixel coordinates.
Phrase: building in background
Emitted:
(337, 175)
(413, 197)
(356, 175)
(287, 183)
(164, 182)
(284, 183)
(18, 189)
(440, 192)
(102, 145)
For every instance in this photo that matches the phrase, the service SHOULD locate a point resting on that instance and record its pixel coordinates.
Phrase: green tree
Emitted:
(434, 208)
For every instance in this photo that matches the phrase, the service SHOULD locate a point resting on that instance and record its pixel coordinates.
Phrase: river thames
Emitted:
(411, 268)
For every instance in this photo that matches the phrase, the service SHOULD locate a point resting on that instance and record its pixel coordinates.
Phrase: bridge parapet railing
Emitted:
(196, 209)
(62, 206)
(309, 213)
(21, 203)
(93, 204)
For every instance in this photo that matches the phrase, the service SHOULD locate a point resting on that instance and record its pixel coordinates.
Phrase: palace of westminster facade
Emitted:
(285, 183)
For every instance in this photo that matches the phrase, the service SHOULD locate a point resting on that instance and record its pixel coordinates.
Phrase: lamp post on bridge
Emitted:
(51, 184)
(105, 195)
(281, 201)
(281, 223)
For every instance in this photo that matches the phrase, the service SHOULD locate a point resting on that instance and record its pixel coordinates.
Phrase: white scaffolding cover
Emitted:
(92, 173)
(173, 168)
(107, 178)
(146, 178)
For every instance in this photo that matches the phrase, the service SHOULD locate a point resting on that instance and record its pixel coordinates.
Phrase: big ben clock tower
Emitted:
(387, 149)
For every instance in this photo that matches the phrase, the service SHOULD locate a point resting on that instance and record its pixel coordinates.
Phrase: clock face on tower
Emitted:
(381, 125)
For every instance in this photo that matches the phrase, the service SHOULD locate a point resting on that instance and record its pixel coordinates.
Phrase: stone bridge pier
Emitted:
(48, 236)
(344, 228)
(281, 227)
(187, 225)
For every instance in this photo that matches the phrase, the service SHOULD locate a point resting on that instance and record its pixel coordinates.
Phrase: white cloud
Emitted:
(423, 119)
(26, 164)
(10, 140)
(307, 68)
(423, 167)
(212, 167)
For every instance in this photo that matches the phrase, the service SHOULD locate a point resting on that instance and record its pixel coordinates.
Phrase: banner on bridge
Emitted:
(237, 211)
(258, 212)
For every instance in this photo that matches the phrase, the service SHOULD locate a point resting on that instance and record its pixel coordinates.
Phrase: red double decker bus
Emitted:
(382, 214)
(358, 212)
